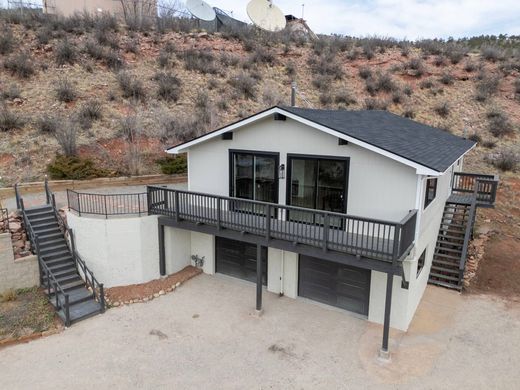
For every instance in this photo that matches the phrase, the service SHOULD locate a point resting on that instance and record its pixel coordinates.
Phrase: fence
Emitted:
(107, 204)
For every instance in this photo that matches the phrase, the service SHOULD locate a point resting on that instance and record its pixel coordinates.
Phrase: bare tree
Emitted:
(137, 13)
(67, 135)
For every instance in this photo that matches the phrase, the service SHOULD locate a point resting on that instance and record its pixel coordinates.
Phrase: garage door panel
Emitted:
(238, 259)
(334, 284)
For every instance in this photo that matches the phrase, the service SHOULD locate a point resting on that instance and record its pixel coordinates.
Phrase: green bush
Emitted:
(74, 168)
(173, 164)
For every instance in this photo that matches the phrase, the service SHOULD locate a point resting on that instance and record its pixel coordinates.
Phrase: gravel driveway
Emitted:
(204, 336)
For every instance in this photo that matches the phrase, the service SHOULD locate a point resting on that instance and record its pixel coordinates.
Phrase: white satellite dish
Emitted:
(266, 15)
(201, 10)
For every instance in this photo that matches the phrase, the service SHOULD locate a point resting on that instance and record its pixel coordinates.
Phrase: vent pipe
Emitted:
(293, 94)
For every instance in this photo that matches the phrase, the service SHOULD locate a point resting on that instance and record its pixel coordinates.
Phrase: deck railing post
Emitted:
(46, 185)
(177, 206)
(67, 311)
(268, 223)
(102, 297)
(219, 217)
(258, 277)
(326, 223)
(397, 243)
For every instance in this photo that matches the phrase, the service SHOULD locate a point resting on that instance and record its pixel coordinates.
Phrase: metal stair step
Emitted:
(74, 285)
(460, 238)
(67, 258)
(439, 248)
(44, 243)
(50, 236)
(53, 248)
(64, 279)
(444, 269)
(81, 311)
(447, 277)
(446, 262)
(446, 256)
(56, 254)
(40, 214)
(37, 209)
(450, 243)
(454, 286)
(75, 296)
(70, 270)
(47, 230)
(45, 219)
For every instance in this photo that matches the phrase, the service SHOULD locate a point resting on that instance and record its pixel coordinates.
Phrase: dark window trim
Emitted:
(276, 155)
(316, 157)
(419, 265)
(428, 201)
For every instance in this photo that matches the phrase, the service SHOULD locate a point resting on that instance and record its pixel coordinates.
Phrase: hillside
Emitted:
(122, 96)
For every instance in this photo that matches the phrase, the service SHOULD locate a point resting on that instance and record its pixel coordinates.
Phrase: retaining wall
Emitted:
(19, 273)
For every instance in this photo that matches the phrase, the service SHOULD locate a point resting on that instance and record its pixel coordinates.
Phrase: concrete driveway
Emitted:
(204, 336)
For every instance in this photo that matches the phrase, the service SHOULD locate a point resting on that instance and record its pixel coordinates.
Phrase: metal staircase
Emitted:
(70, 286)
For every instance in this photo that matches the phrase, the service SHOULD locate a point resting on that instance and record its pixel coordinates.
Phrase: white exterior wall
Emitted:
(389, 194)
(118, 251)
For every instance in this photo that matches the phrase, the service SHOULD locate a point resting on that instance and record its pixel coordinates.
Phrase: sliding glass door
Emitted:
(254, 176)
(317, 183)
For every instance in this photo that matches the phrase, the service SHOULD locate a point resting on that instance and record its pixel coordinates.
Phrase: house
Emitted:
(133, 8)
(357, 201)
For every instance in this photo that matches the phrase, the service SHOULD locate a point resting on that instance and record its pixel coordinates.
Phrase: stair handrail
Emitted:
(96, 287)
(17, 196)
(467, 233)
(44, 270)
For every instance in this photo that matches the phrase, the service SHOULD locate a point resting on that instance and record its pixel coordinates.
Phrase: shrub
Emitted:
(270, 96)
(8, 296)
(129, 128)
(489, 144)
(89, 112)
(455, 53)
(228, 59)
(375, 104)
(397, 97)
(48, 124)
(499, 125)
(65, 91)
(442, 109)
(491, 53)
(365, 72)
(131, 86)
(405, 50)
(447, 79)
(201, 61)
(171, 165)
(470, 66)
(385, 83)
(169, 87)
(262, 55)
(113, 60)
(344, 97)
(427, 84)
(132, 46)
(475, 137)
(6, 41)
(416, 65)
(244, 84)
(322, 82)
(74, 168)
(9, 120)
(94, 50)
(65, 53)
(66, 134)
(290, 69)
(409, 113)
(12, 92)
(440, 60)
(507, 160)
(20, 65)
(408, 90)
(44, 35)
(326, 98)
(486, 87)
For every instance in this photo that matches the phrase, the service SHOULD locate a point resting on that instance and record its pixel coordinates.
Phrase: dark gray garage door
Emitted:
(334, 284)
(238, 259)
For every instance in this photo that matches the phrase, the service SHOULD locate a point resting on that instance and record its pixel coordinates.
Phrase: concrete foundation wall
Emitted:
(119, 251)
(15, 274)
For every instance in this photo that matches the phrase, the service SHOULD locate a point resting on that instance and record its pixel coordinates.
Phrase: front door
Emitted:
(317, 183)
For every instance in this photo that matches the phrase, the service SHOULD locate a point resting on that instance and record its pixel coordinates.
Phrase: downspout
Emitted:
(282, 274)
(418, 198)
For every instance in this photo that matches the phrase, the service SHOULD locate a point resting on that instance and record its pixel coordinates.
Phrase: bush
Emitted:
(132, 46)
(475, 137)
(344, 97)
(385, 83)
(365, 72)
(455, 53)
(169, 87)
(447, 79)
(270, 96)
(322, 82)
(12, 92)
(171, 165)
(129, 128)
(375, 104)
(9, 120)
(326, 98)
(486, 87)
(94, 50)
(409, 113)
(440, 60)
(227, 59)
(489, 144)
(131, 86)
(66, 134)
(397, 97)
(113, 60)
(417, 67)
(507, 160)
(427, 84)
(20, 65)
(262, 55)
(65, 53)
(470, 66)
(65, 91)
(6, 41)
(44, 35)
(74, 168)
(245, 85)
(492, 53)
(92, 109)
(499, 124)
(442, 109)
(408, 90)
(48, 124)
(201, 61)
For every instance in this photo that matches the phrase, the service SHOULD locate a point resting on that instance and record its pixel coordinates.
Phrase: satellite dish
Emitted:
(201, 10)
(266, 15)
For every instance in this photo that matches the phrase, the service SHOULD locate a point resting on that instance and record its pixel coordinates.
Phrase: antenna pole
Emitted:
(293, 94)
(303, 9)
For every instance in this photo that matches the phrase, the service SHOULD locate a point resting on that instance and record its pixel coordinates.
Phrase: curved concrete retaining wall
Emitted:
(119, 251)
(19, 273)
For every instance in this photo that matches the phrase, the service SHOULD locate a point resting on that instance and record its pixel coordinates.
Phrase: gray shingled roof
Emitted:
(428, 146)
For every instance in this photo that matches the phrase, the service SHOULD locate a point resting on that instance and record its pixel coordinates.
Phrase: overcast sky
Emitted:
(396, 18)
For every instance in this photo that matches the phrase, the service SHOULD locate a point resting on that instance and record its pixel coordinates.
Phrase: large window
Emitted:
(254, 176)
(431, 191)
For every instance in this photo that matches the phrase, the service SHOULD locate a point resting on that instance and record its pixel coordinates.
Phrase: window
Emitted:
(420, 263)
(431, 191)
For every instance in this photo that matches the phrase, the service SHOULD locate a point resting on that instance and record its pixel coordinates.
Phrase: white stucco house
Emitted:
(354, 209)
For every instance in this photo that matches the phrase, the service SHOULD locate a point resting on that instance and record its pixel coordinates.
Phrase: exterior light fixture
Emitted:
(282, 171)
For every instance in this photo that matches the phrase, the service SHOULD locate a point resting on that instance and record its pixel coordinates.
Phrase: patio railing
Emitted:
(486, 186)
(379, 239)
(107, 204)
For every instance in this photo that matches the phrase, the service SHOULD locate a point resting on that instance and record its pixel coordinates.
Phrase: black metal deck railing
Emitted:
(367, 237)
(486, 186)
(107, 204)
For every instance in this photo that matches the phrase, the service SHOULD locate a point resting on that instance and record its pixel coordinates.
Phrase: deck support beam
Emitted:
(388, 307)
(162, 250)
(259, 278)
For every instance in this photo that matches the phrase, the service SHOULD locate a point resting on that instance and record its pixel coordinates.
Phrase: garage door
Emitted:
(334, 284)
(238, 259)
